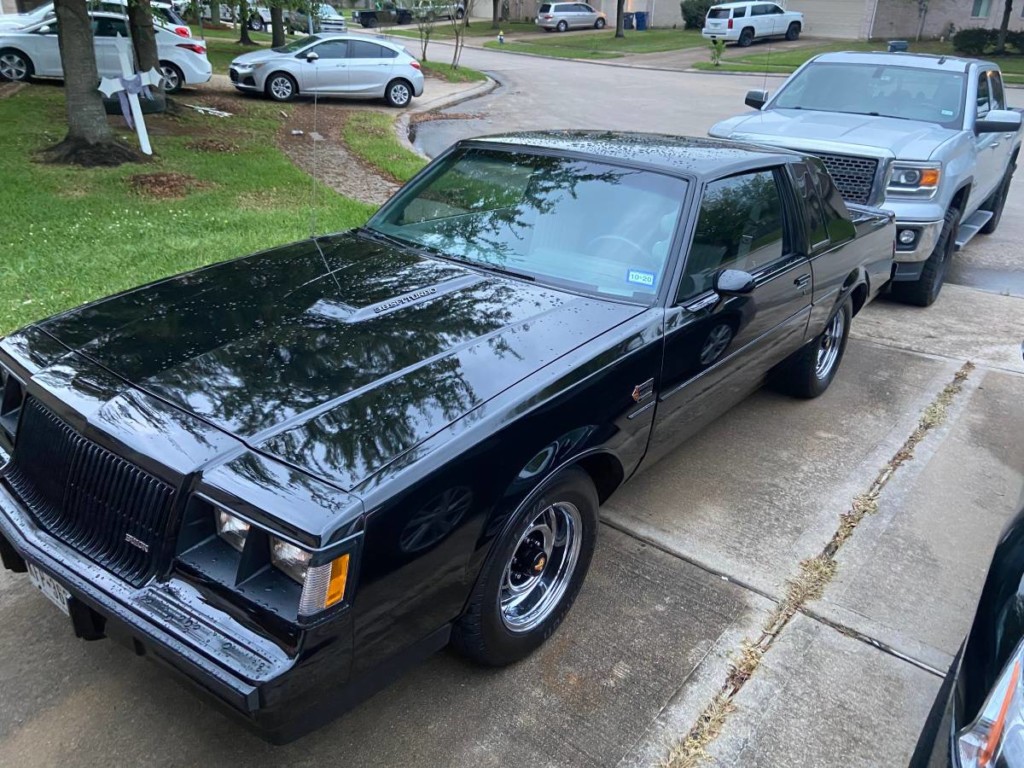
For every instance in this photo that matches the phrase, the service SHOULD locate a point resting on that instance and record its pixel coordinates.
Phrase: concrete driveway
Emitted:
(694, 558)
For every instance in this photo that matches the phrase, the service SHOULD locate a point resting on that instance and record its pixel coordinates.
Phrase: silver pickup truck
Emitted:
(927, 137)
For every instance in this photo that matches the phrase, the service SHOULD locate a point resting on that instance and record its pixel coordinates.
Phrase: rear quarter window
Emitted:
(719, 13)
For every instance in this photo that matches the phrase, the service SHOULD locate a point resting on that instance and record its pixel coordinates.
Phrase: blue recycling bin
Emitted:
(641, 21)
(627, 21)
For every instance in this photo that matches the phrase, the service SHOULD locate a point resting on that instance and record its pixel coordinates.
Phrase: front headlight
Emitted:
(232, 529)
(996, 737)
(917, 179)
(322, 585)
(242, 67)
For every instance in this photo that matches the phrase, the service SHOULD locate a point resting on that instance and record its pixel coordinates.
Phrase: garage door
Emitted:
(833, 18)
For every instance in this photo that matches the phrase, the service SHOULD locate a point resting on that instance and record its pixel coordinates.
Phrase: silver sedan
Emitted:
(336, 65)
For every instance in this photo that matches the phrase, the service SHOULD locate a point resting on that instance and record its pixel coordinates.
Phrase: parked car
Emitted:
(34, 52)
(227, 12)
(335, 65)
(384, 13)
(929, 137)
(288, 476)
(164, 14)
(435, 9)
(259, 18)
(743, 23)
(978, 716)
(320, 17)
(565, 16)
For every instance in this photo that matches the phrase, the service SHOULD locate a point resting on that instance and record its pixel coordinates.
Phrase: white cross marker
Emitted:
(128, 87)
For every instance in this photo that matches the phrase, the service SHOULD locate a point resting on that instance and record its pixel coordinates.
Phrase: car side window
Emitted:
(995, 84)
(106, 27)
(332, 49)
(361, 49)
(740, 226)
(739, 13)
(983, 94)
(814, 218)
(776, 9)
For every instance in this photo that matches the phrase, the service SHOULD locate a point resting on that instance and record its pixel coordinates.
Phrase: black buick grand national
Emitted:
(286, 476)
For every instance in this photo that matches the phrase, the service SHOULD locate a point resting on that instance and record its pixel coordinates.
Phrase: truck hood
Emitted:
(335, 355)
(886, 137)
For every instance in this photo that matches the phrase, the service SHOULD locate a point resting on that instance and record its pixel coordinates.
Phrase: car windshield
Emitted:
(871, 89)
(575, 224)
(719, 13)
(297, 45)
(328, 12)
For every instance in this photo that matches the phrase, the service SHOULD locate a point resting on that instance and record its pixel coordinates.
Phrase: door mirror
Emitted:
(998, 121)
(756, 99)
(734, 282)
(312, 56)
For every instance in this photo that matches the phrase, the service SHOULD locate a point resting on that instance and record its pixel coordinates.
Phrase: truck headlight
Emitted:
(232, 529)
(998, 731)
(918, 180)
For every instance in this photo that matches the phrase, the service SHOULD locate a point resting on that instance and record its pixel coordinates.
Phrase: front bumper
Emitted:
(911, 259)
(244, 673)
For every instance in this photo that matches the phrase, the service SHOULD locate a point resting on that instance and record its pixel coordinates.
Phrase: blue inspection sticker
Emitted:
(639, 277)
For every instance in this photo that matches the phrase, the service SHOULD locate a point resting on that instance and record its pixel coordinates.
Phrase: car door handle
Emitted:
(802, 282)
(994, 145)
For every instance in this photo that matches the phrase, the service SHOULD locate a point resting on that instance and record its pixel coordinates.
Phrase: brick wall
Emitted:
(898, 18)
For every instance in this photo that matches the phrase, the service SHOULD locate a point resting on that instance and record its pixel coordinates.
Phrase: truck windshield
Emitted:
(909, 93)
(576, 224)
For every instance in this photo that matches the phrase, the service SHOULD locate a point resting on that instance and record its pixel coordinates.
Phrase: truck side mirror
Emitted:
(734, 282)
(998, 121)
(756, 99)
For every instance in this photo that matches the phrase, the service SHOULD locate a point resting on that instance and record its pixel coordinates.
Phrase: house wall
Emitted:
(844, 19)
(899, 19)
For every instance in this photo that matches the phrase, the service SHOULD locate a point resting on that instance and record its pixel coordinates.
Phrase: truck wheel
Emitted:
(996, 203)
(923, 291)
(793, 32)
(532, 575)
(370, 22)
(809, 371)
(746, 38)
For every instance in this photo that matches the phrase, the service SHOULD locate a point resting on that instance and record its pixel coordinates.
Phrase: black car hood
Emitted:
(336, 370)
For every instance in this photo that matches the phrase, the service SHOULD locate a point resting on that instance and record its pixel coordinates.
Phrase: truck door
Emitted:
(990, 161)
(717, 349)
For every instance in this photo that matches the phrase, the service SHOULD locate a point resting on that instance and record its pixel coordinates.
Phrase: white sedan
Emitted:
(34, 52)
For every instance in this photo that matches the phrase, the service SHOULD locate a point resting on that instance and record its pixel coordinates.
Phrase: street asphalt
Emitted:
(693, 556)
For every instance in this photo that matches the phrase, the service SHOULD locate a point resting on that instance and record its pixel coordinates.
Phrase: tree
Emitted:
(459, 31)
(495, 14)
(1003, 27)
(425, 26)
(243, 24)
(89, 140)
(620, 10)
(277, 25)
(140, 21)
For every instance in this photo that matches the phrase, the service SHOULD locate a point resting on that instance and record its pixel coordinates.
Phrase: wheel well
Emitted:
(960, 198)
(605, 472)
(796, 24)
(858, 297)
(747, 29)
(12, 49)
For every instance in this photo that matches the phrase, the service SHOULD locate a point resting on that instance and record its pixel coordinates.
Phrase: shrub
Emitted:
(694, 12)
(973, 42)
(1015, 40)
(717, 47)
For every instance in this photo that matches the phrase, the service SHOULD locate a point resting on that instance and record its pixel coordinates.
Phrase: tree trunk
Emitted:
(1001, 40)
(620, 9)
(140, 20)
(243, 24)
(495, 14)
(89, 140)
(214, 13)
(277, 26)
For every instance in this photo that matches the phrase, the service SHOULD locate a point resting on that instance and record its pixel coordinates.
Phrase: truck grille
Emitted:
(854, 176)
(113, 512)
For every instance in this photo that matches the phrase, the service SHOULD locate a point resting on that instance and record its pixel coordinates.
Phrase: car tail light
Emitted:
(183, 31)
(730, 24)
(194, 47)
(415, 65)
(547, 17)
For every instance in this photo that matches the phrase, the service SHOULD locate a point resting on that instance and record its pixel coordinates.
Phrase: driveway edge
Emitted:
(402, 124)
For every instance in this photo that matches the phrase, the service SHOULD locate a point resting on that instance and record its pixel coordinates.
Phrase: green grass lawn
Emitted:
(604, 44)
(221, 52)
(72, 234)
(452, 75)
(371, 136)
(478, 28)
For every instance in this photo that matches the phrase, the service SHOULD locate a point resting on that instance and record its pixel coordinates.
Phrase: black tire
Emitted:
(256, 23)
(399, 93)
(746, 37)
(599, 24)
(174, 79)
(793, 31)
(280, 86)
(923, 291)
(996, 203)
(562, 26)
(15, 66)
(459, 14)
(482, 633)
(371, 22)
(809, 371)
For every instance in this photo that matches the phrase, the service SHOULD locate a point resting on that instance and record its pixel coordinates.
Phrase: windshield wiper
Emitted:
(496, 269)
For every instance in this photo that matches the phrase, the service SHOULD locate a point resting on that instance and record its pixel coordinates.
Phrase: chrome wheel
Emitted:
(172, 80)
(399, 94)
(716, 344)
(282, 88)
(831, 342)
(541, 567)
(13, 67)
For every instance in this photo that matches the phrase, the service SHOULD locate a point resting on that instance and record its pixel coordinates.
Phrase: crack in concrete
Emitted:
(814, 575)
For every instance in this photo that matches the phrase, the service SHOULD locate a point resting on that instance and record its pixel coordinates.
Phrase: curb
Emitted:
(402, 124)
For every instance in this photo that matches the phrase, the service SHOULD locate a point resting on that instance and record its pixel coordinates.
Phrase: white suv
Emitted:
(743, 23)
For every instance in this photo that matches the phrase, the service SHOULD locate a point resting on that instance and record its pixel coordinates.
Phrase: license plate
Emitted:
(49, 587)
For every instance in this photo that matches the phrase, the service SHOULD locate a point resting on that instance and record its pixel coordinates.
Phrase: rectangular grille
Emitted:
(88, 497)
(854, 176)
